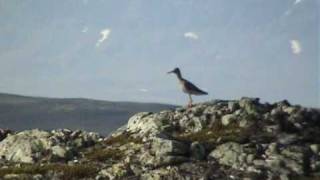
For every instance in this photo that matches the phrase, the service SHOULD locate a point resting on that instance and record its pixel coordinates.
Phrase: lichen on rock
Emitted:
(219, 139)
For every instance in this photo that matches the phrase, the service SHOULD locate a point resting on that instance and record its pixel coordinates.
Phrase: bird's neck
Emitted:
(179, 76)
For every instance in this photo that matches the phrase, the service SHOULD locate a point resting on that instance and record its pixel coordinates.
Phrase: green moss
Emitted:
(217, 132)
(78, 171)
(102, 155)
(122, 139)
(68, 171)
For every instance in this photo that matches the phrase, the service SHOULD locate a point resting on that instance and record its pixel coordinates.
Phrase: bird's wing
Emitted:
(193, 89)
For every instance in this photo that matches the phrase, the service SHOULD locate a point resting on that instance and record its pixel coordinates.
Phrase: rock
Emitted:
(197, 151)
(194, 124)
(147, 159)
(259, 162)
(105, 174)
(272, 128)
(37, 177)
(233, 106)
(243, 123)
(35, 145)
(293, 157)
(148, 123)
(273, 141)
(272, 149)
(250, 158)
(249, 105)
(116, 171)
(229, 154)
(289, 109)
(119, 170)
(314, 148)
(61, 153)
(227, 119)
(287, 139)
(4, 133)
(283, 103)
(284, 177)
(25, 146)
(158, 174)
(169, 160)
(169, 147)
(15, 176)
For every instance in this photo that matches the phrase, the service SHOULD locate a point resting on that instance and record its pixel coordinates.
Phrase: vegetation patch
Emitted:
(122, 139)
(105, 154)
(67, 171)
(217, 132)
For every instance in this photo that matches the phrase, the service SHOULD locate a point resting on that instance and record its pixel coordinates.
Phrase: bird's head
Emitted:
(176, 71)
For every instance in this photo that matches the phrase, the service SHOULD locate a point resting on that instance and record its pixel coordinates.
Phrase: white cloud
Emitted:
(191, 35)
(85, 29)
(218, 56)
(297, 2)
(143, 90)
(104, 35)
(288, 12)
(295, 47)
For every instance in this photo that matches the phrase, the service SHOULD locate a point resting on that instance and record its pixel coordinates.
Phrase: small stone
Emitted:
(287, 139)
(272, 149)
(37, 177)
(259, 162)
(12, 176)
(163, 146)
(230, 154)
(284, 177)
(59, 151)
(275, 162)
(103, 174)
(272, 128)
(275, 112)
(243, 123)
(250, 158)
(314, 148)
(289, 110)
(238, 112)
(227, 119)
(233, 106)
(197, 151)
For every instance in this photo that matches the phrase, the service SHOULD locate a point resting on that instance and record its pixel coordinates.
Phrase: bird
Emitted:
(187, 86)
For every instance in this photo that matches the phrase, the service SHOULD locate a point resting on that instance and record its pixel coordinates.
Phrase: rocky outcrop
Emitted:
(241, 139)
(4, 133)
(35, 145)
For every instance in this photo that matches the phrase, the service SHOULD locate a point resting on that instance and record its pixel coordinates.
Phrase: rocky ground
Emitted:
(242, 139)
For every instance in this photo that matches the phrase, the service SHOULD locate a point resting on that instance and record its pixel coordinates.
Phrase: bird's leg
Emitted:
(190, 101)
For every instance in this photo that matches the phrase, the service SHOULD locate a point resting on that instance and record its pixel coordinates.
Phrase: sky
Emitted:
(121, 50)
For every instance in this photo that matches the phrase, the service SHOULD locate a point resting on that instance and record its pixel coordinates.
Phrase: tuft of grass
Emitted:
(102, 155)
(232, 132)
(122, 139)
(68, 171)
(78, 171)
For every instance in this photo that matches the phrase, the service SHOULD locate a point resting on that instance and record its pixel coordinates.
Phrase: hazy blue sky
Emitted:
(121, 49)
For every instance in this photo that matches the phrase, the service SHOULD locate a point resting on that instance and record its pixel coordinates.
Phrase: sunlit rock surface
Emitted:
(213, 140)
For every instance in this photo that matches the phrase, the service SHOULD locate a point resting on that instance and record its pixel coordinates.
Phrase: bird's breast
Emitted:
(183, 87)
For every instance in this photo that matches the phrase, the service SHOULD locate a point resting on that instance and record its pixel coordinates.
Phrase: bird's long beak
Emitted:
(169, 72)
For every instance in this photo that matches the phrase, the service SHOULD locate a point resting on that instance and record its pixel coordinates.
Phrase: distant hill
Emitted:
(23, 112)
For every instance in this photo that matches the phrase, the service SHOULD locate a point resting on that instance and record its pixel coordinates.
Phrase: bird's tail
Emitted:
(204, 93)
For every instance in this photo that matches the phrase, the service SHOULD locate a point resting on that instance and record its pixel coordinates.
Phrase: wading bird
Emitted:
(188, 87)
